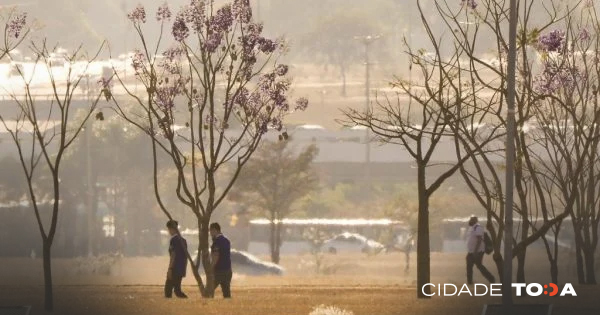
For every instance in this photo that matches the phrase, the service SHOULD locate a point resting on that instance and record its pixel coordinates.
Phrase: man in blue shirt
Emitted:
(177, 261)
(221, 259)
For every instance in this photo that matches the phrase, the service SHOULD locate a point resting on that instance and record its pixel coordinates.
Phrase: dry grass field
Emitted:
(272, 300)
(358, 283)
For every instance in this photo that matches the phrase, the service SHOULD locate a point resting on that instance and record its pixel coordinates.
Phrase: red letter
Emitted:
(554, 289)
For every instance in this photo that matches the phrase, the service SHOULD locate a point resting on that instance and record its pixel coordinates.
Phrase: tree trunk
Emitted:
(203, 249)
(578, 257)
(48, 297)
(590, 272)
(499, 262)
(553, 270)
(197, 277)
(520, 186)
(277, 249)
(273, 248)
(521, 266)
(423, 254)
(497, 237)
(406, 261)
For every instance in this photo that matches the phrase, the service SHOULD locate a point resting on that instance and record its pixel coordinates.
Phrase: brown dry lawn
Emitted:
(361, 284)
(147, 300)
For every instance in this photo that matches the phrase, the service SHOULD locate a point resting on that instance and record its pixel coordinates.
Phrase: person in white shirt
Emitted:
(476, 249)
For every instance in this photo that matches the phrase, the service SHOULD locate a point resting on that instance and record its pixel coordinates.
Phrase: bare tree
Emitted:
(43, 131)
(570, 111)
(541, 153)
(461, 98)
(423, 119)
(207, 104)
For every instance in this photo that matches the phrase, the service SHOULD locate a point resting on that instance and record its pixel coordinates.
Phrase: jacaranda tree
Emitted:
(209, 98)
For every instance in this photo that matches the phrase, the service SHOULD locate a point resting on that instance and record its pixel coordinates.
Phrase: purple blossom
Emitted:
(249, 103)
(242, 97)
(165, 97)
(213, 42)
(275, 90)
(262, 123)
(268, 104)
(163, 12)
(138, 15)
(16, 25)
(264, 120)
(301, 104)
(552, 42)
(222, 20)
(248, 40)
(242, 11)
(167, 91)
(470, 3)
(277, 123)
(266, 45)
(252, 103)
(247, 69)
(281, 70)
(555, 77)
(252, 32)
(266, 81)
(584, 34)
(217, 25)
(210, 119)
(173, 53)
(180, 30)
(137, 61)
(278, 95)
(250, 60)
(194, 14)
(171, 67)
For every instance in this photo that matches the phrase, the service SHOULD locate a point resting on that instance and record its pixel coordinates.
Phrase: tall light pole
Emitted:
(125, 37)
(410, 44)
(367, 40)
(510, 159)
(91, 218)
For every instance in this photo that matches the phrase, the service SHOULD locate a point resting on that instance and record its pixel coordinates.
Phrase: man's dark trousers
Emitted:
(173, 284)
(476, 259)
(223, 279)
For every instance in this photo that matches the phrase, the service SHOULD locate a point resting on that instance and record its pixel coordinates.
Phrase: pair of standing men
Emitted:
(220, 254)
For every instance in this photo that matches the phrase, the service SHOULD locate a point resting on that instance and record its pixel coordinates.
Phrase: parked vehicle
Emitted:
(352, 242)
(248, 264)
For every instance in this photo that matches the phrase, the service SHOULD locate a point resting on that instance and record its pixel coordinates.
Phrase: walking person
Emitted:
(476, 249)
(177, 261)
(221, 259)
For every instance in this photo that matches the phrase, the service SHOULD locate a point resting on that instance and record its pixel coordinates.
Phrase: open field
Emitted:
(359, 283)
(362, 300)
(341, 269)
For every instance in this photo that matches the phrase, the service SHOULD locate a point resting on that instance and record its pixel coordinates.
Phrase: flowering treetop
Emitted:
(218, 52)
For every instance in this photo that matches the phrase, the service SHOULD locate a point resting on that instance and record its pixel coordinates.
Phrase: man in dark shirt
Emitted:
(177, 262)
(221, 259)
